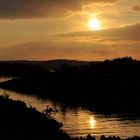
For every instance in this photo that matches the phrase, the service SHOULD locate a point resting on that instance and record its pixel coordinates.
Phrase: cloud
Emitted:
(105, 44)
(41, 8)
(136, 8)
(123, 33)
(71, 50)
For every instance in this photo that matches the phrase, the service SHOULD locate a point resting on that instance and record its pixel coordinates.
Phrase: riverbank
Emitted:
(19, 122)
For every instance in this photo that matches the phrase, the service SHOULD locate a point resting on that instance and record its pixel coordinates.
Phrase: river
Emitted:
(80, 121)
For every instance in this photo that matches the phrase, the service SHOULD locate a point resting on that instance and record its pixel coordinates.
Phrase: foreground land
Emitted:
(19, 122)
(109, 86)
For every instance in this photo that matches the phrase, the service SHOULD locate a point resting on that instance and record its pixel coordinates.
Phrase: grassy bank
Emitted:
(19, 122)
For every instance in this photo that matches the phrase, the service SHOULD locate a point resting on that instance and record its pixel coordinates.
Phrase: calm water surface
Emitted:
(80, 121)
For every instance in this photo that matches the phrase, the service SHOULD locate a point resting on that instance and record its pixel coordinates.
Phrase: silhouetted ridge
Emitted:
(49, 64)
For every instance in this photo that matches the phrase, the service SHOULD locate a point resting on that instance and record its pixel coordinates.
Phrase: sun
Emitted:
(94, 24)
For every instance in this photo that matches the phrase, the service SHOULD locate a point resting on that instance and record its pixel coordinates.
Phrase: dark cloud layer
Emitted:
(41, 8)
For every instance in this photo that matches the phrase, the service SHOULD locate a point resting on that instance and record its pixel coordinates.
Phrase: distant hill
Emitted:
(49, 64)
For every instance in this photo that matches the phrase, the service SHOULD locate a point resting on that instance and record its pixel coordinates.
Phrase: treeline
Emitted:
(109, 86)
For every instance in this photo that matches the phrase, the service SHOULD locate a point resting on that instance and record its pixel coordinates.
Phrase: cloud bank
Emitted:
(95, 46)
(41, 8)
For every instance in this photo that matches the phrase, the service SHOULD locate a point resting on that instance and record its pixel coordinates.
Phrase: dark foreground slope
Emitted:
(17, 122)
(109, 86)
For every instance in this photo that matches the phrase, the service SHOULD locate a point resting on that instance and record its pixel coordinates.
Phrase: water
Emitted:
(80, 122)
(3, 79)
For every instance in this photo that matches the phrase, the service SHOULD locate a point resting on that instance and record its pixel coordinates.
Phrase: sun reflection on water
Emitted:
(92, 122)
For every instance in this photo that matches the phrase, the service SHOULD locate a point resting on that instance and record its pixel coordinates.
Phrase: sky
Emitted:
(61, 29)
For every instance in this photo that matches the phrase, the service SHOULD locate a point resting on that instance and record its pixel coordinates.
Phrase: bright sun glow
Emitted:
(92, 122)
(94, 24)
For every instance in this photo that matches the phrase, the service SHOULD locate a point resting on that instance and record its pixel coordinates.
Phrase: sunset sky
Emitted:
(69, 29)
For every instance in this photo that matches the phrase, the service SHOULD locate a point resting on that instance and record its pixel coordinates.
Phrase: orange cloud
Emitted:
(105, 44)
